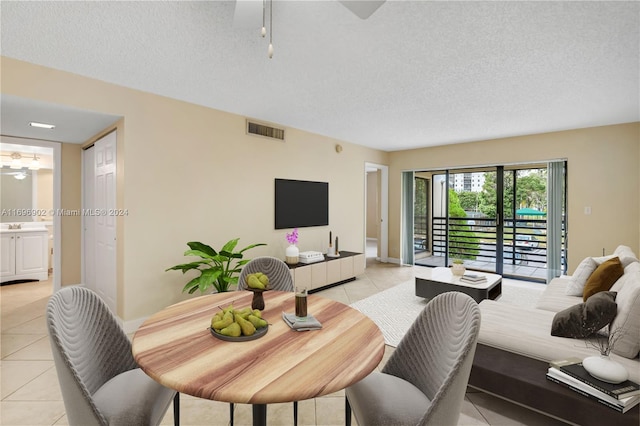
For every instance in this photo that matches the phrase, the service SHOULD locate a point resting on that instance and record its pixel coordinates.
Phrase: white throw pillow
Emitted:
(628, 317)
(631, 268)
(624, 251)
(626, 258)
(601, 259)
(580, 277)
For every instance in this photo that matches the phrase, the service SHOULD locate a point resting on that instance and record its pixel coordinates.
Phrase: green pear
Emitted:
(244, 313)
(264, 280)
(254, 282)
(232, 330)
(257, 322)
(257, 313)
(217, 317)
(247, 327)
(226, 321)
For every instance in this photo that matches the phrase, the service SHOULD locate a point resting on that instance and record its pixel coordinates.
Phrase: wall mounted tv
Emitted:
(301, 203)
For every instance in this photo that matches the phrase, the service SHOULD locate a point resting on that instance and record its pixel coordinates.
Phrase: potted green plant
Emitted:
(457, 267)
(218, 269)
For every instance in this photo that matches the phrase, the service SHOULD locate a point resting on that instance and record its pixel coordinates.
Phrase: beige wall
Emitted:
(193, 174)
(45, 191)
(603, 173)
(70, 225)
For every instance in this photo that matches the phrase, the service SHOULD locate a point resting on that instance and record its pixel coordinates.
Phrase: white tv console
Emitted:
(330, 272)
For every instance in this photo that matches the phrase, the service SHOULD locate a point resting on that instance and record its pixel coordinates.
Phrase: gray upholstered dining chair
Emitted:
(425, 379)
(100, 381)
(279, 279)
(278, 272)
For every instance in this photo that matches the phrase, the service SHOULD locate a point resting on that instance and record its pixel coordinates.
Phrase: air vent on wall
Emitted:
(260, 129)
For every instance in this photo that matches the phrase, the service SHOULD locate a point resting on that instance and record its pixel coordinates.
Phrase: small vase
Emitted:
(258, 300)
(458, 269)
(291, 254)
(605, 369)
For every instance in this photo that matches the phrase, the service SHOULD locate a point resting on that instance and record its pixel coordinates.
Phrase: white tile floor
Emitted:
(31, 395)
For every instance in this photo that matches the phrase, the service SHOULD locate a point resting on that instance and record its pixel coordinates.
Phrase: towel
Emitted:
(309, 323)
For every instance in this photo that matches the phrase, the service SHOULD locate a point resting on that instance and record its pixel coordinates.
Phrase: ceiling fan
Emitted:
(247, 12)
(20, 175)
(362, 8)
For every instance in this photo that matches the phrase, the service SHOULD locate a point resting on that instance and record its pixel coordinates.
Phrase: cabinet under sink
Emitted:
(24, 254)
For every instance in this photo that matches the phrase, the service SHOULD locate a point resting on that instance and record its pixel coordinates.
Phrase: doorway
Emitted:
(44, 191)
(497, 219)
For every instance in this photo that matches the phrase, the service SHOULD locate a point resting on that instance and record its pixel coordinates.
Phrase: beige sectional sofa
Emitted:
(527, 332)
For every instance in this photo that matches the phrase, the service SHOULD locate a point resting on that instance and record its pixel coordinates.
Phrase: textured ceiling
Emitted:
(413, 74)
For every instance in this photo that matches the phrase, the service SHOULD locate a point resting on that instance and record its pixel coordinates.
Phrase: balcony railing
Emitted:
(474, 240)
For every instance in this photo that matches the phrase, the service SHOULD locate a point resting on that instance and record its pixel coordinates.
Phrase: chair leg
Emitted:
(176, 409)
(295, 413)
(231, 413)
(347, 412)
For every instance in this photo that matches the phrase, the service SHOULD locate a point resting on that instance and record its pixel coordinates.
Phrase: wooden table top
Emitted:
(176, 348)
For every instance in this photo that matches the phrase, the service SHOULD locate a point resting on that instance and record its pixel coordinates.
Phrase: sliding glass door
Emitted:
(497, 219)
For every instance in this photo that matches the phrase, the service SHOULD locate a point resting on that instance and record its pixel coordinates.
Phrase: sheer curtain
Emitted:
(406, 254)
(555, 212)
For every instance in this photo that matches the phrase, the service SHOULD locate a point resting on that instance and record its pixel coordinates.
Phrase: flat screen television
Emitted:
(301, 203)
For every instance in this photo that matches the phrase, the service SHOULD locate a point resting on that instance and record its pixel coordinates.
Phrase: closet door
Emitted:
(100, 235)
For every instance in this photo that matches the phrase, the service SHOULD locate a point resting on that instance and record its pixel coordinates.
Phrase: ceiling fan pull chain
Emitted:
(263, 32)
(270, 50)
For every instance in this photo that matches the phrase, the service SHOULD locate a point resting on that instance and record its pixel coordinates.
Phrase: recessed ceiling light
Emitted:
(42, 125)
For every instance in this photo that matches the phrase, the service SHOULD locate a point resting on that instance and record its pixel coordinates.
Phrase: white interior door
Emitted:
(101, 255)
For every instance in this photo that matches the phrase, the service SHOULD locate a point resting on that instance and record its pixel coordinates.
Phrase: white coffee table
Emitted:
(440, 280)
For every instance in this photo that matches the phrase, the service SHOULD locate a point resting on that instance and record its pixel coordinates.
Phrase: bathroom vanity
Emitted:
(24, 252)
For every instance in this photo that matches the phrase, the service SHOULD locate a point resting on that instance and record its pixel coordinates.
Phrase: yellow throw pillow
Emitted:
(603, 277)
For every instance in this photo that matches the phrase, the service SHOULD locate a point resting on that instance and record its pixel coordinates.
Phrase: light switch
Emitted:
(587, 210)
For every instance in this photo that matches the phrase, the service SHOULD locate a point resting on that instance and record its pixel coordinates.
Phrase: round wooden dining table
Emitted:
(176, 348)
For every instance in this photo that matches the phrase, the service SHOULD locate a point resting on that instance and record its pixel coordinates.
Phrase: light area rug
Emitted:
(394, 310)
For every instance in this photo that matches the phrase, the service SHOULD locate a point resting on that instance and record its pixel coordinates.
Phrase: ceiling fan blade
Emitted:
(362, 8)
(247, 14)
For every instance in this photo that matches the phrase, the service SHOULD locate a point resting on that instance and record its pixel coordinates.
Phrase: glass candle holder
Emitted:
(301, 303)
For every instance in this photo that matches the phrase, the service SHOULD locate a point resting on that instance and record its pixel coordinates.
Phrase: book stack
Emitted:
(473, 278)
(571, 374)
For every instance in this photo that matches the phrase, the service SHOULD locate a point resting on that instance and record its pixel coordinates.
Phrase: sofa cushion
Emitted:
(525, 331)
(603, 277)
(554, 297)
(628, 317)
(585, 319)
(580, 277)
